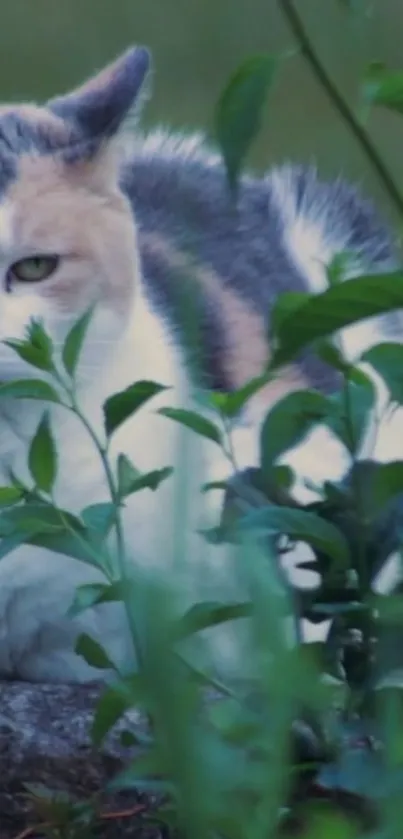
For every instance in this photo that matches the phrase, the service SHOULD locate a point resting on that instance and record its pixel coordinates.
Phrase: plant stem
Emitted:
(340, 105)
(249, 499)
(360, 512)
(120, 542)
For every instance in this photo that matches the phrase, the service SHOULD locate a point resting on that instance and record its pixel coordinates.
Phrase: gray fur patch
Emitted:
(185, 199)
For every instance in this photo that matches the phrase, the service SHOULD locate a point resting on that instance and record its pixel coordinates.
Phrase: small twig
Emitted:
(30, 830)
(340, 105)
(119, 814)
(124, 814)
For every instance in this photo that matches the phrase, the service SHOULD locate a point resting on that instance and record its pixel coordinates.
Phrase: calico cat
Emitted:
(91, 212)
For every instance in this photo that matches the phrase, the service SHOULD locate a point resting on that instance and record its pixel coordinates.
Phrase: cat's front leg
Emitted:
(37, 637)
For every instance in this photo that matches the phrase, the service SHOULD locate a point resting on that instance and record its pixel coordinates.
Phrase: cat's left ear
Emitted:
(98, 108)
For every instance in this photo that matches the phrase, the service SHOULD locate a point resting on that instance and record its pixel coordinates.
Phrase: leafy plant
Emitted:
(308, 740)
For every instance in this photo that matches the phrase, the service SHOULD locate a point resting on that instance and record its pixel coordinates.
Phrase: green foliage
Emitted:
(74, 342)
(239, 112)
(384, 87)
(300, 525)
(42, 457)
(290, 420)
(387, 360)
(307, 740)
(36, 349)
(119, 407)
(29, 389)
(333, 309)
(195, 422)
(93, 653)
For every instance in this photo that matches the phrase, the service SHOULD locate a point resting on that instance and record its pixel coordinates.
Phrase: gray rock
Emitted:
(45, 739)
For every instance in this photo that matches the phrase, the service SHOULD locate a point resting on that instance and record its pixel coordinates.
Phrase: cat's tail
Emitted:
(320, 220)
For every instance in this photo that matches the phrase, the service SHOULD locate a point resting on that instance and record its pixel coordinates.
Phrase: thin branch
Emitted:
(340, 105)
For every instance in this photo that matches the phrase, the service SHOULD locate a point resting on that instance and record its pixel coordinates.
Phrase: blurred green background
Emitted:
(46, 46)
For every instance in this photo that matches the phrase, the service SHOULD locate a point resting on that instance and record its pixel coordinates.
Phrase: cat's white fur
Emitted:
(36, 588)
(127, 341)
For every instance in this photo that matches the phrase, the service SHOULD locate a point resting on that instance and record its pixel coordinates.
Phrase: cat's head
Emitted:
(67, 234)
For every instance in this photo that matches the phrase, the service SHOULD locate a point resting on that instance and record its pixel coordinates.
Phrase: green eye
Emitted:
(33, 269)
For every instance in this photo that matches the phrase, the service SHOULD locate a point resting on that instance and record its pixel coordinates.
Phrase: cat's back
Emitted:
(240, 254)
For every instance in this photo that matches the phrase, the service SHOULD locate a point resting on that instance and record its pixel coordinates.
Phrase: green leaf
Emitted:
(32, 355)
(36, 349)
(387, 361)
(43, 525)
(99, 517)
(128, 739)
(10, 495)
(239, 111)
(231, 403)
(32, 517)
(359, 401)
(195, 421)
(383, 87)
(29, 389)
(91, 594)
(148, 480)
(127, 475)
(300, 525)
(337, 307)
(288, 422)
(339, 268)
(114, 702)
(42, 458)
(203, 615)
(389, 609)
(385, 482)
(93, 653)
(74, 342)
(109, 710)
(76, 544)
(331, 355)
(286, 304)
(119, 407)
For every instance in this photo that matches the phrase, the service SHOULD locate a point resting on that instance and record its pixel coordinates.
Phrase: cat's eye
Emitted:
(33, 269)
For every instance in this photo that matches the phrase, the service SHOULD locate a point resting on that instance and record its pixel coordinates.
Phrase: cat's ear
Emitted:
(98, 108)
